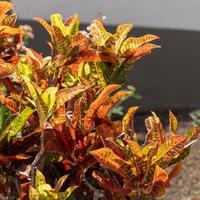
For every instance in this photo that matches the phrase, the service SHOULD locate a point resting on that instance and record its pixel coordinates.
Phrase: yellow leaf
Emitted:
(173, 123)
(98, 32)
(133, 43)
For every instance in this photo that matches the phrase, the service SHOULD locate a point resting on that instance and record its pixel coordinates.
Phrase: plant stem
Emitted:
(37, 158)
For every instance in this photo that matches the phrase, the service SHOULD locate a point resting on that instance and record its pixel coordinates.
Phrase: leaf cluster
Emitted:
(55, 123)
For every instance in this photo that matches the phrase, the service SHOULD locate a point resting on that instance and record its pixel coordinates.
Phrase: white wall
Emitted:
(179, 14)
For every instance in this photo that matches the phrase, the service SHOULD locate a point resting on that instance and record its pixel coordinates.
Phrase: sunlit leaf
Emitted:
(117, 149)
(39, 179)
(155, 130)
(104, 109)
(133, 43)
(42, 108)
(57, 21)
(121, 34)
(9, 20)
(24, 68)
(96, 104)
(4, 8)
(16, 125)
(193, 133)
(6, 69)
(173, 123)
(49, 97)
(33, 194)
(61, 42)
(127, 121)
(67, 94)
(110, 160)
(98, 32)
(73, 24)
(7, 30)
(170, 149)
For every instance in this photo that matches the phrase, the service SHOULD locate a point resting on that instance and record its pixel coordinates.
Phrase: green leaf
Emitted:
(57, 21)
(39, 179)
(60, 183)
(72, 23)
(49, 97)
(182, 156)
(30, 87)
(169, 150)
(45, 192)
(60, 42)
(25, 68)
(33, 194)
(42, 109)
(16, 125)
(4, 114)
(67, 193)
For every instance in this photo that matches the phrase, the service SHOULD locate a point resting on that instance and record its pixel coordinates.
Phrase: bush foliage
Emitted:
(57, 139)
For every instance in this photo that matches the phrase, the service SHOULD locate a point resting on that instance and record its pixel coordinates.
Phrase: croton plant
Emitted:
(57, 140)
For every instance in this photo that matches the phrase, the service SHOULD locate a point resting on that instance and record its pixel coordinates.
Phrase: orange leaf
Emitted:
(90, 55)
(104, 130)
(67, 94)
(7, 30)
(45, 24)
(118, 150)
(4, 71)
(176, 170)
(155, 130)
(109, 184)
(5, 159)
(104, 109)
(160, 175)
(127, 121)
(96, 104)
(116, 127)
(159, 180)
(9, 103)
(134, 54)
(5, 7)
(135, 148)
(110, 160)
